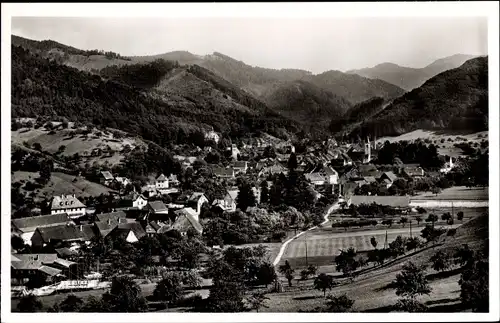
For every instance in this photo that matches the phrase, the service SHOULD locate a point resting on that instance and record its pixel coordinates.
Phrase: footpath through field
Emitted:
(285, 244)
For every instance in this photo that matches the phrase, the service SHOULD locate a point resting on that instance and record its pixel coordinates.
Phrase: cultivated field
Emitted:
(456, 193)
(61, 183)
(446, 147)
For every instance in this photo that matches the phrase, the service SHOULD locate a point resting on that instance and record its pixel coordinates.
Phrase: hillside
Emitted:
(357, 114)
(409, 78)
(43, 87)
(307, 103)
(453, 100)
(354, 87)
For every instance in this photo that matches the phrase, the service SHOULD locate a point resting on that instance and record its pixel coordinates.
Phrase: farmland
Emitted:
(456, 193)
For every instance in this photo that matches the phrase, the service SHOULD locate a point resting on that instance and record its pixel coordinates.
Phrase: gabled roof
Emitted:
(186, 218)
(65, 252)
(370, 179)
(172, 178)
(32, 260)
(112, 216)
(394, 201)
(31, 223)
(51, 271)
(196, 196)
(413, 171)
(391, 176)
(220, 171)
(315, 177)
(107, 175)
(240, 164)
(161, 178)
(158, 206)
(136, 227)
(65, 202)
(329, 171)
(67, 233)
(233, 193)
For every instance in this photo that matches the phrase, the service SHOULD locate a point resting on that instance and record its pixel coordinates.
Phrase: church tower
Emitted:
(368, 147)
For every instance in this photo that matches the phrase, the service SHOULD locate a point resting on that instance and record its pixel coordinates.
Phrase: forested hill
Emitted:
(456, 99)
(43, 87)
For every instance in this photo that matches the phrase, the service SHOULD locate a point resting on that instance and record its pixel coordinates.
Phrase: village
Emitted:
(336, 180)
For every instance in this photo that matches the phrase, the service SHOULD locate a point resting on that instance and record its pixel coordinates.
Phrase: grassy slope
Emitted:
(370, 290)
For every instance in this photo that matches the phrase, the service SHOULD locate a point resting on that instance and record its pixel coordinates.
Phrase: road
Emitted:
(285, 244)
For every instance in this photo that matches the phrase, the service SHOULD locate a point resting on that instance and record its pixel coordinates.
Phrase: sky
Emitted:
(313, 44)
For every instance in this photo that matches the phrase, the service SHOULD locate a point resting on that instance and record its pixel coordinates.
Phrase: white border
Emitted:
(290, 10)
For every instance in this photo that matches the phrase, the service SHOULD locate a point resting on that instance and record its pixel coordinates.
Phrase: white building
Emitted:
(67, 204)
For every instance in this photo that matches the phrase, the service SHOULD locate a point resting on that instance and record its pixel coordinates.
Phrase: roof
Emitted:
(65, 202)
(65, 252)
(154, 225)
(161, 178)
(51, 271)
(314, 177)
(413, 171)
(112, 216)
(67, 232)
(394, 201)
(391, 176)
(133, 196)
(233, 193)
(136, 227)
(158, 206)
(329, 170)
(186, 218)
(64, 263)
(196, 196)
(105, 228)
(240, 164)
(220, 171)
(107, 175)
(32, 260)
(172, 178)
(370, 179)
(31, 223)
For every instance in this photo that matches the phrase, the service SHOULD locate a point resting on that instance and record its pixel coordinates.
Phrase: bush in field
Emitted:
(413, 243)
(440, 261)
(410, 305)
(324, 282)
(463, 255)
(29, 304)
(474, 285)
(346, 261)
(460, 216)
(412, 282)
(169, 289)
(339, 304)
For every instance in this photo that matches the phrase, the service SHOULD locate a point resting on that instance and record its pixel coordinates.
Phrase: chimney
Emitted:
(109, 221)
(81, 227)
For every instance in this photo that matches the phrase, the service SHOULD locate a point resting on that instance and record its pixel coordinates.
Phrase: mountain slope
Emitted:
(306, 103)
(409, 78)
(353, 87)
(358, 114)
(454, 100)
(43, 87)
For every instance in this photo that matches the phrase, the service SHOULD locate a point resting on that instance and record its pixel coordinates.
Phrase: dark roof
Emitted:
(220, 171)
(369, 179)
(158, 206)
(113, 216)
(391, 176)
(67, 233)
(33, 222)
(65, 252)
(161, 178)
(136, 227)
(186, 218)
(32, 260)
(105, 228)
(196, 196)
(240, 164)
(394, 201)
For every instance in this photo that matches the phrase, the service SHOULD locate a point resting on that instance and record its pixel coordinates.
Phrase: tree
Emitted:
(460, 216)
(71, 303)
(339, 304)
(440, 261)
(93, 305)
(225, 296)
(124, 296)
(397, 247)
(17, 243)
(266, 274)
(191, 278)
(287, 270)
(387, 222)
(413, 243)
(312, 269)
(37, 146)
(346, 261)
(46, 168)
(411, 281)
(410, 305)
(474, 289)
(169, 289)
(432, 218)
(403, 221)
(418, 219)
(463, 255)
(256, 301)
(29, 304)
(446, 216)
(323, 282)
(264, 193)
(292, 161)
(374, 242)
(245, 197)
(430, 234)
(435, 190)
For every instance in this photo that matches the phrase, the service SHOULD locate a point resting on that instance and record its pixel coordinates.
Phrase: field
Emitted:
(372, 291)
(81, 144)
(456, 193)
(446, 147)
(61, 183)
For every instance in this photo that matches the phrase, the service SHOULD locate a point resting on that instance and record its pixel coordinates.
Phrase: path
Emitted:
(285, 244)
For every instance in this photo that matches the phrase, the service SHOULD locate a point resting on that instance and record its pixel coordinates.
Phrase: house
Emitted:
(221, 172)
(173, 181)
(105, 227)
(257, 192)
(316, 179)
(448, 166)
(235, 152)
(393, 201)
(26, 227)
(412, 172)
(196, 201)
(161, 182)
(275, 169)
(387, 179)
(131, 231)
(111, 216)
(228, 203)
(68, 204)
(152, 228)
(149, 190)
(123, 181)
(368, 170)
(106, 178)
(134, 200)
(45, 264)
(212, 135)
(157, 207)
(69, 234)
(240, 167)
(186, 219)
